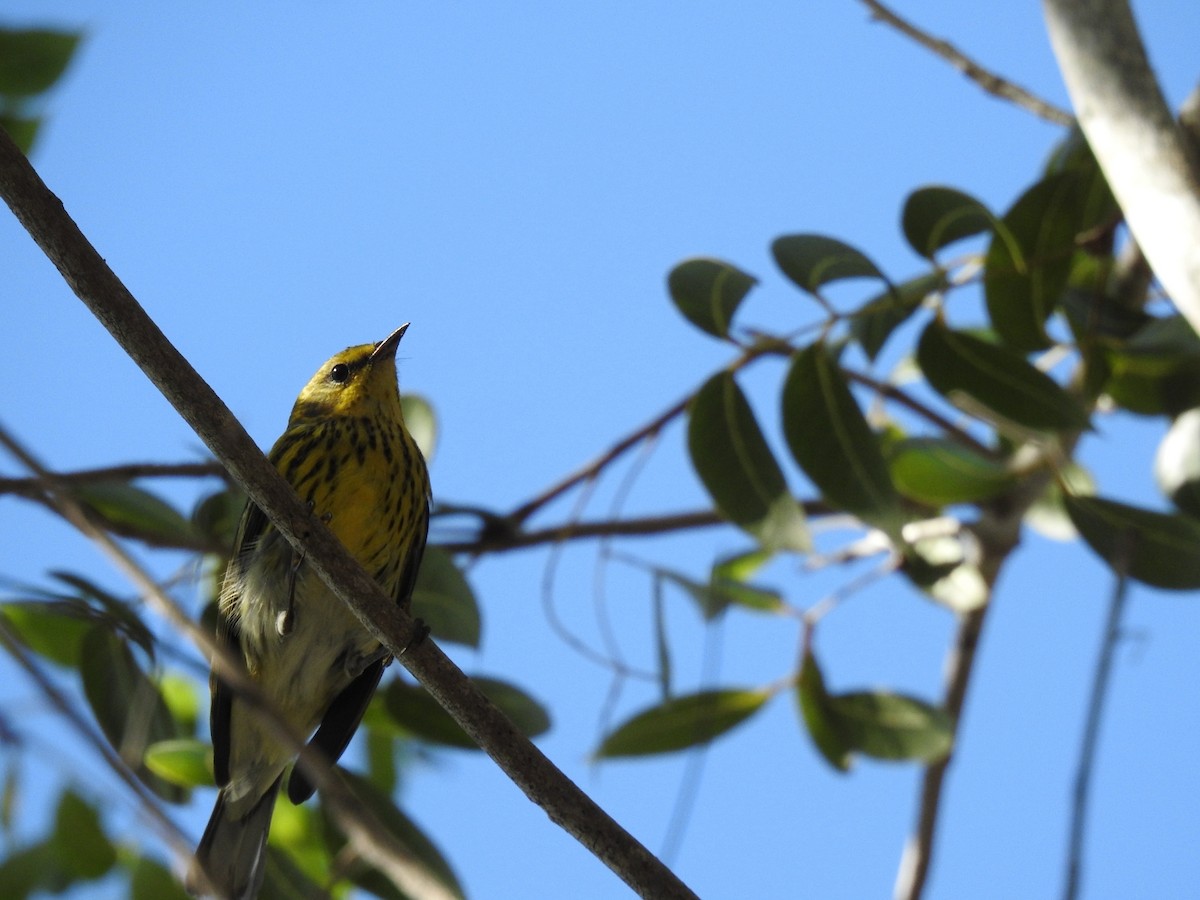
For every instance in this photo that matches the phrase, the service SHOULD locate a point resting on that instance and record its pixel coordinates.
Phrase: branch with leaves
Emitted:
(42, 214)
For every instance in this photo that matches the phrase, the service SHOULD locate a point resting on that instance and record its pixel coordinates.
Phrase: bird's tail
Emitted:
(231, 858)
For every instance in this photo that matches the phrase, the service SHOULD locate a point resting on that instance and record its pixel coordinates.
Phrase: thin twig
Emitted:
(986, 79)
(43, 216)
(1091, 730)
(764, 346)
(930, 415)
(27, 487)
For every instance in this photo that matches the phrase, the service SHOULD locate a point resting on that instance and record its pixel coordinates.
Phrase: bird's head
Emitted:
(359, 381)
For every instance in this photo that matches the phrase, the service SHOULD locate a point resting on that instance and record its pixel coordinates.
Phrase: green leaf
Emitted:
(34, 868)
(1156, 370)
(217, 517)
(721, 592)
(444, 600)
(737, 467)
(132, 511)
(813, 260)
(22, 129)
(182, 701)
(126, 703)
(682, 722)
(994, 381)
(1159, 549)
(874, 323)
(403, 829)
(53, 629)
(79, 839)
(880, 724)
(151, 881)
(1030, 257)
(286, 878)
(708, 292)
(411, 707)
(119, 614)
(830, 439)
(31, 60)
(941, 472)
(186, 762)
(887, 725)
(935, 217)
(421, 423)
(813, 701)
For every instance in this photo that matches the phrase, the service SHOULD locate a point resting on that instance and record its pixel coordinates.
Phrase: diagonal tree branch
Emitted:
(985, 78)
(43, 216)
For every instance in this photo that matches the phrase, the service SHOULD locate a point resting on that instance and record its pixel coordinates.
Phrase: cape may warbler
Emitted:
(347, 454)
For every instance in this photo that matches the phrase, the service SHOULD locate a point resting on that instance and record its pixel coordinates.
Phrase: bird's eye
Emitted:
(340, 373)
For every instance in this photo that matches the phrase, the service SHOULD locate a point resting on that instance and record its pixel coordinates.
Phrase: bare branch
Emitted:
(986, 79)
(574, 531)
(43, 216)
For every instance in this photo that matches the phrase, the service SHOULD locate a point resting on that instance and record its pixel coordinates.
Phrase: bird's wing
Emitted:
(250, 530)
(346, 711)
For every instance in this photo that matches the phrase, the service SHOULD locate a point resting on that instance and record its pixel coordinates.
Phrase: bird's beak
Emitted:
(387, 347)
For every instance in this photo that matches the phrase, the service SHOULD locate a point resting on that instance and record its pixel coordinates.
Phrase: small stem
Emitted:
(932, 416)
(1091, 729)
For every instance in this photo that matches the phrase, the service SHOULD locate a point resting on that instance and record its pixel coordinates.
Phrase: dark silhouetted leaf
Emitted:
(412, 708)
(400, 827)
(1159, 549)
(813, 701)
(939, 472)
(126, 703)
(1030, 257)
(22, 129)
(874, 323)
(217, 516)
(138, 513)
(880, 724)
(31, 60)
(444, 600)
(79, 840)
(121, 614)
(723, 591)
(886, 725)
(682, 722)
(813, 260)
(737, 467)
(708, 292)
(151, 881)
(53, 629)
(935, 217)
(1157, 370)
(982, 377)
(830, 439)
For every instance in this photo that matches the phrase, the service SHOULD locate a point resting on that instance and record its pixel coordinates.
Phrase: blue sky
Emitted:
(276, 181)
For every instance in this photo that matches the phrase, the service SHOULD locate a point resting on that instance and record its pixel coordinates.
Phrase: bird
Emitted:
(349, 456)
